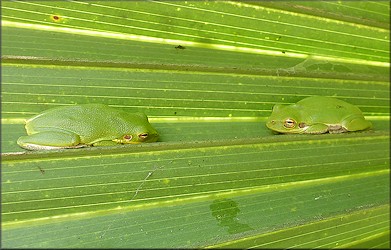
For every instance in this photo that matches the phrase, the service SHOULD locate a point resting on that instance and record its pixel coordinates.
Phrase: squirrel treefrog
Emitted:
(317, 115)
(85, 125)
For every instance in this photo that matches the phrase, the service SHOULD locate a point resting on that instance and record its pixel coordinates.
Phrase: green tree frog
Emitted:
(85, 125)
(317, 115)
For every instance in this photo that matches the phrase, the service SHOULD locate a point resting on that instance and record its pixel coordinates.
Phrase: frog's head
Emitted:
(286, 119)
(139, 131)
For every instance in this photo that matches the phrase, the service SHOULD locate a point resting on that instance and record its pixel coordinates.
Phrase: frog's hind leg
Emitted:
(356, 123)
(48, 140)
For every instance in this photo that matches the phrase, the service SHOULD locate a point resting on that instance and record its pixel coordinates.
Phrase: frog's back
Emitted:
(329, 106)
(83, 119)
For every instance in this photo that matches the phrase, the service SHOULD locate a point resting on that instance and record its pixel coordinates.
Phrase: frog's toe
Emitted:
(337, 129)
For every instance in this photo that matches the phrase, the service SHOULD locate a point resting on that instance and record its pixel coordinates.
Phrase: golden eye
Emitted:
(289, 123)
(128, 137)
(143, 136)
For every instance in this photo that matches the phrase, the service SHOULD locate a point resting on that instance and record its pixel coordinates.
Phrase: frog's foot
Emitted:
(49, 140)
(336, 129)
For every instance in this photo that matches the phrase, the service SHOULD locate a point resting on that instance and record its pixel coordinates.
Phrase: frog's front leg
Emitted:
(50, 140)
(317, 128)
(104, 143)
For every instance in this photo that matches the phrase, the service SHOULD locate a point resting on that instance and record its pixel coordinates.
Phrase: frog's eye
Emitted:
(143, 136)
(128, 137)
(289, 123)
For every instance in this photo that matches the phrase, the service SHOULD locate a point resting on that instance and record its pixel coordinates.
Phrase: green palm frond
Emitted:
(207, 73)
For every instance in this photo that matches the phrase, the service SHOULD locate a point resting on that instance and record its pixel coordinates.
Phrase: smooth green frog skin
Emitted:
(85, 125)
(317, 115)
